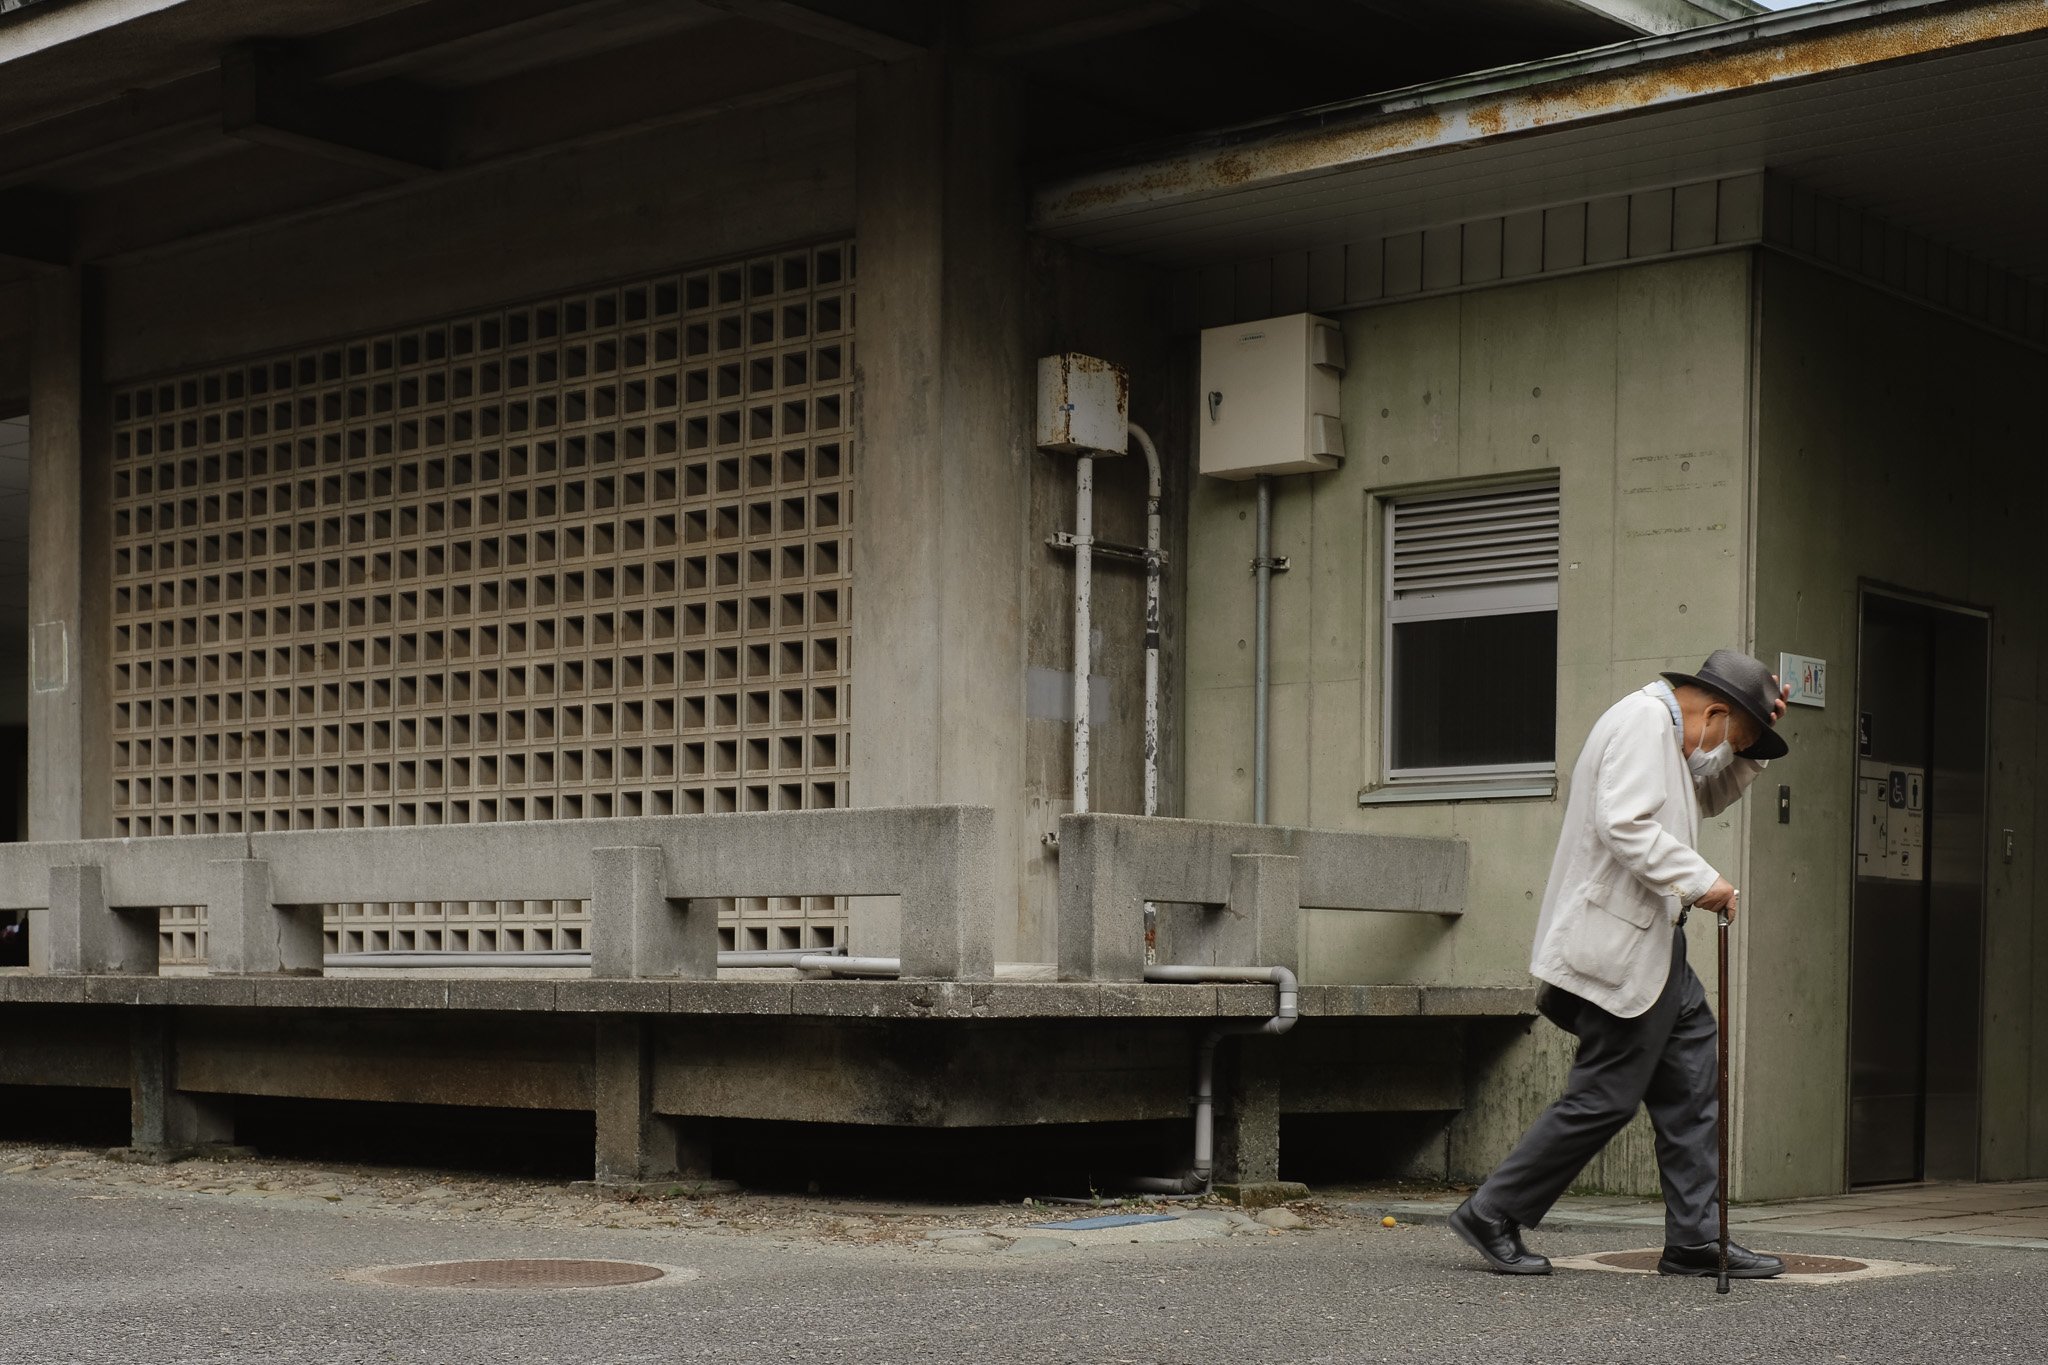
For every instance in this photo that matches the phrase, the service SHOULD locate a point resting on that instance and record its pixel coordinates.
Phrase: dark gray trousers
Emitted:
(1663, 1058)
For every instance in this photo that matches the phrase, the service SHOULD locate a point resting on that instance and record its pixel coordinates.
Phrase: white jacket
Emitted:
(1625, 858)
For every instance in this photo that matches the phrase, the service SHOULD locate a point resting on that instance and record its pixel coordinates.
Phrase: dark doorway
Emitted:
(1917, 935)
(13, 827)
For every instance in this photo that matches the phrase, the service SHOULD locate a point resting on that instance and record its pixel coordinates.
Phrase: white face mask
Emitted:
(1705, 762)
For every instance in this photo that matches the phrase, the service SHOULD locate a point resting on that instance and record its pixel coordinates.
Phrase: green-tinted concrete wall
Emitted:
(1905, 448)
(1633, 385)
(1630, 385)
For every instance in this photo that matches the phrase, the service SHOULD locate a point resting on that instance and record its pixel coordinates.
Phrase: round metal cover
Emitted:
(526, 1274)
(1794, 1265)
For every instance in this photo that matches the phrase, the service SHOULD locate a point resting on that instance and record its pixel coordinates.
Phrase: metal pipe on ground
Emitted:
(1286, 1012)
(457, 958)
(813, 960)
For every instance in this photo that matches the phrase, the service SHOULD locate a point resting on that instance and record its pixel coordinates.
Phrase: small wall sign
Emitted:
(1807, 677)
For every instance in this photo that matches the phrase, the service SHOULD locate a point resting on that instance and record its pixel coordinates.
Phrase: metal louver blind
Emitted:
(1474, 542)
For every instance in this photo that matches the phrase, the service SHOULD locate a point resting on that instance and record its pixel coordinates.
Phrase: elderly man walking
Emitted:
(1612, 961)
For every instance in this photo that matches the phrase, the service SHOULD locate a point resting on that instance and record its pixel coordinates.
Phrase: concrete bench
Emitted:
(648, 881)
(1247, 885)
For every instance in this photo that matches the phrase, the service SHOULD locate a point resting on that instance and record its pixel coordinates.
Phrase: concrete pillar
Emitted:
(637, 930)
(80, 932)
(1102, 903)
(944, 927)
(248, 935)
(70, 759)
(1248, 1116)
(1259, 926)
(633, 1142)
(942, 413)
(162, 1118)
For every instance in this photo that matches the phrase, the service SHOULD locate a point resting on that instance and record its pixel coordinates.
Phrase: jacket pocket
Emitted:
(1627, 901)
(1607, 933)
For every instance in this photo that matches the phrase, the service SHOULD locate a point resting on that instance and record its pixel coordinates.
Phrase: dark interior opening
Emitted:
(1352, 1149)
(1056, 1160)
(543, 1143)
(73, 1115)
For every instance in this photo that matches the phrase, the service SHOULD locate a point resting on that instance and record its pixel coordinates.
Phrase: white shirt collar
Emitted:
(1663, 692)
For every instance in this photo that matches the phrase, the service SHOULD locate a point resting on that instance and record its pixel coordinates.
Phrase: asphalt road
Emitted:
(150, 1277)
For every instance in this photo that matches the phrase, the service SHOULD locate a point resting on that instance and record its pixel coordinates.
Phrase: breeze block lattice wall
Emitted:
(589, 556)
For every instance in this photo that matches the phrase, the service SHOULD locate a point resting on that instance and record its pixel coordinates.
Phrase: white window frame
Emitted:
(1502, 598)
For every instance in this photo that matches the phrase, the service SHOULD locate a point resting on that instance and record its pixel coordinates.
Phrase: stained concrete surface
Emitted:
(2008, 1214)
(99, 1271)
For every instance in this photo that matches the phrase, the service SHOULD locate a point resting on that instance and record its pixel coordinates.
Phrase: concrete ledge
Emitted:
(1361, 1000)
(1263, 1194)
(1468, 1001)
(731, 997)
(813, 998)
(398, 994)
(612, 997)
(46, 990)
(167, 990)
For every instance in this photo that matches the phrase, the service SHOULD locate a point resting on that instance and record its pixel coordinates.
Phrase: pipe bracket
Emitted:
(1067, 540)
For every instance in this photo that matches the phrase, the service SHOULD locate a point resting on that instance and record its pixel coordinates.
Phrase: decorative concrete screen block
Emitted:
(581, 557)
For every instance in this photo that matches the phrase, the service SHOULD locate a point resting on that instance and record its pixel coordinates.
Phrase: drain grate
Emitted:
(1646, 1261)
(520, 1274)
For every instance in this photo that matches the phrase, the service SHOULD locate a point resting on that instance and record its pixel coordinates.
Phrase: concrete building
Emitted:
(451, 481)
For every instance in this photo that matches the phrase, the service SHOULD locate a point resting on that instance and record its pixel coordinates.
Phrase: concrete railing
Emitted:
(93, 903)
(1230, 894)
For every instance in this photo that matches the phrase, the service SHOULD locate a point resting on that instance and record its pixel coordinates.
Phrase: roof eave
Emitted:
(38, 29)
(1674, 69)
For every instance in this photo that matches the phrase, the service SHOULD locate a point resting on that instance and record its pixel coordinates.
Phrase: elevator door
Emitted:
(1918, 927)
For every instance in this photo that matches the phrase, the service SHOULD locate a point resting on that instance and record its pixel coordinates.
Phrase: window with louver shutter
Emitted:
(1471, 635)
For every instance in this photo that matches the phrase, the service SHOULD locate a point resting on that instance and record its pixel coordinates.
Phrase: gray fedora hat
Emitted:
(1747, 683)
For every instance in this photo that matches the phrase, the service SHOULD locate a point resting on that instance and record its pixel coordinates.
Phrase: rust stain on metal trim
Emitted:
(1536, 107)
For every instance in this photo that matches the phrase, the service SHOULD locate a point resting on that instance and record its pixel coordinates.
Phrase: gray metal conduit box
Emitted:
(1084, 405)
(1269, 397)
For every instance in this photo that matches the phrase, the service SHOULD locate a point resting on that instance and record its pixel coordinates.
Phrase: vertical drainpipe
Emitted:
(1262, 569)
(1155, 492)
(1154, 495)
(1084, 563)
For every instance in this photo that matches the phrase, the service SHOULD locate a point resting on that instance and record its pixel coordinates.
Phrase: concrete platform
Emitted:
(661, 1063)
(881, 999)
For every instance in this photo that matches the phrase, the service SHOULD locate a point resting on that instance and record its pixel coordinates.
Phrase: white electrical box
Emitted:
(1269, 397)
(1084, 405)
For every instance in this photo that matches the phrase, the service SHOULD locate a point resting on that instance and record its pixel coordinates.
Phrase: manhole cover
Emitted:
(1798, 1269)
(529, 1274)
(1646, 1261)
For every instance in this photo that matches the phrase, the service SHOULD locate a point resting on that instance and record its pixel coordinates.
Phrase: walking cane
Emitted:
(1721, 1037)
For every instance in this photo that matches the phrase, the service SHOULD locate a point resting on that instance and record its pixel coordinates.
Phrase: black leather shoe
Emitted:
(1515, 1237)
(1499, 1240)
(1705, 1259)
